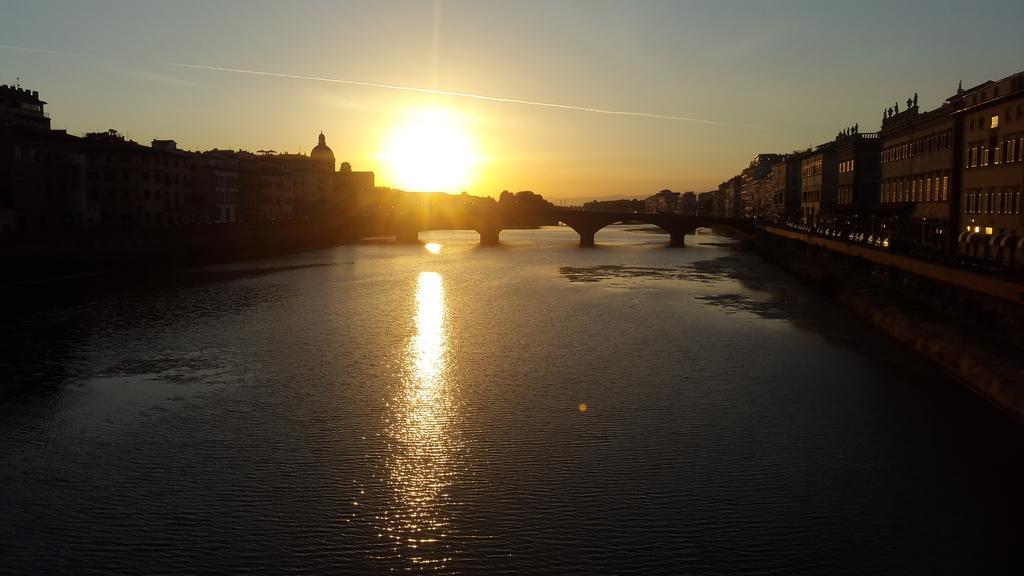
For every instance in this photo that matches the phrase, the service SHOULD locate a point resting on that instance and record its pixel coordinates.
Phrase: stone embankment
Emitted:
(972, 335)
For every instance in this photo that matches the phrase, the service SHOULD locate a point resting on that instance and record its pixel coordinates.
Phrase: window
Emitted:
(928, 190)
(945, 188)
(1016, 205)
(984, 155)
(997, 152)
(1011, 154)
(994, 121)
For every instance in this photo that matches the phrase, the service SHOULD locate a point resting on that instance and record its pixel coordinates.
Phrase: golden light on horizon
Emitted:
(431, 150)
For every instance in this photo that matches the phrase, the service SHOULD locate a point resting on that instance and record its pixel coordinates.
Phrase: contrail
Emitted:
(421, 91)
(467, 95)
(59, 52)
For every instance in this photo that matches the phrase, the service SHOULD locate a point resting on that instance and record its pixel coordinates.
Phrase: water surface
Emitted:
(527, 408)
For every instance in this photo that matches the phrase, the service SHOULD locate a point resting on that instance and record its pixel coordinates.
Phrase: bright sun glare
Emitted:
(430, 151)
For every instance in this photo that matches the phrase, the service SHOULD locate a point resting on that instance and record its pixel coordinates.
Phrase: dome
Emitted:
(322, 152)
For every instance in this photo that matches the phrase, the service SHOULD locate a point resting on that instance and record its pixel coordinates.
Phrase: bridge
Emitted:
(490, 223)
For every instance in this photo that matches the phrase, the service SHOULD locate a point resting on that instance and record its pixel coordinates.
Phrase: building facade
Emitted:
(664, 202)
(992, 117)
(785, 189)
(858, 161)
(919, 173)
(818, 177)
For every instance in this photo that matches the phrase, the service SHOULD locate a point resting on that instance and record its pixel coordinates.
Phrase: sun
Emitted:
(430, 150)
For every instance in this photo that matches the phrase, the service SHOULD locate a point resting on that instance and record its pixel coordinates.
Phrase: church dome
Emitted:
(322, 152)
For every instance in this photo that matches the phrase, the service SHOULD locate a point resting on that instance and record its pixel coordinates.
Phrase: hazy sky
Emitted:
(777, 75)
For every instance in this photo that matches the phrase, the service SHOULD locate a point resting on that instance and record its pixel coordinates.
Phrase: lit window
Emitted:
(945, 188)
(988, 230)
(994, 121)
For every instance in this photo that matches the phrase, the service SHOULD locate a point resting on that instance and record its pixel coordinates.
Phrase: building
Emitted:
(752, 186)
(785, 188)
(664, 202)
(858, 159)
(42, 181)
(132, 185)
(687, 205)
(322, 155)
(992, 119)
(42, 171)
(919, 168)
(21, 107)
(818, 177)
(706, 203)
(728, 201)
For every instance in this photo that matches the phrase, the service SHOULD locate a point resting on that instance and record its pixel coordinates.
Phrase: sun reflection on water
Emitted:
(422, 461)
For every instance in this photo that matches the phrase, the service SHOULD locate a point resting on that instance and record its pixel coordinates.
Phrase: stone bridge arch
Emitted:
(588, 224)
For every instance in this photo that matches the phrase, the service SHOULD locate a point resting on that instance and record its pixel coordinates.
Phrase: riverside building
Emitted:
(919, 172)
(992, 116)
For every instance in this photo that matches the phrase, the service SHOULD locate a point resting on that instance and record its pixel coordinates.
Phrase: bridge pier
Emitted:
(489, 236)
(586, 239)
(676, 239)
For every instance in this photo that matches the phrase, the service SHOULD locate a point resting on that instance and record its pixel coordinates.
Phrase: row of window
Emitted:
(174, 198)
(926, 145)
(993, 121)
(810, 195)
(921, 189)
(994, 202)
(845, 195)
(145, 159)
(811, 167)
(846, 166)
(1005, 152)
(146, 177)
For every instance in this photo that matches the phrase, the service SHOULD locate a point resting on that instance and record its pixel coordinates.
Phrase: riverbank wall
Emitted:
(968, 324)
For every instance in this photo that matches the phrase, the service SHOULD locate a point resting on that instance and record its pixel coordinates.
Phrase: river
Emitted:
(528, 408)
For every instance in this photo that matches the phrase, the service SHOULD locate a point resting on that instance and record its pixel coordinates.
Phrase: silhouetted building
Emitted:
(664, 202)
(217, 185)
(992, 117)
(42, 181)
(133, 185)
(20, 107)
(785, 188)
(858, 157)
(322, 154)
(918, 171)
(706, 203)
(818, 176)
(687, 204)
(728, 201)
(353, 190)
(752, 186)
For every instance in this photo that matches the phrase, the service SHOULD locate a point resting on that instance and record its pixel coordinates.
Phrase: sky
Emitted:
(707, 85)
